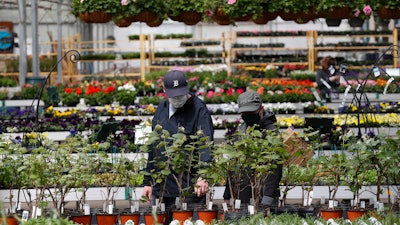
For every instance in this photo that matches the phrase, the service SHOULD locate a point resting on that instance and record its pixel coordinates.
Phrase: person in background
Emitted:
(253, 113)
(327, 79)
(180, 109)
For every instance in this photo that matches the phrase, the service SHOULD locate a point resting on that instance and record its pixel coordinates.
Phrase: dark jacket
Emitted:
(193, 116)
(271, 187)
(324, 75)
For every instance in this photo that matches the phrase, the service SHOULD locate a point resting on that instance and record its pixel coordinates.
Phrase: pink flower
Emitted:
(367, 10)
(231, 2)
(209, 12)
(210, 94)
(82, 1)
(124, 2)
(357, 13)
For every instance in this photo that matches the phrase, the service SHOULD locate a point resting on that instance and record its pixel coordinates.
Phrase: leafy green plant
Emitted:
(253, 154)
(332, 169)
(125, 97)
(181, 154)
(79, 6)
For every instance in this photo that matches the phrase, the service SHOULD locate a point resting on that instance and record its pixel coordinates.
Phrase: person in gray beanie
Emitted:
(253, 113)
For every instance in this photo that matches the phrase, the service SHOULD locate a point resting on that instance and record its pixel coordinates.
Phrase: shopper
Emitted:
(327, 79)
(253, 114)
(181, 109)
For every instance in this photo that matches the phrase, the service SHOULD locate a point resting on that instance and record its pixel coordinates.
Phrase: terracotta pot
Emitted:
(10, 220)
(207, 216)
(182, 215)
(327, 214)
(82, 219)
(107, 219)
(135, 217)
(353, 214)
(149, 219)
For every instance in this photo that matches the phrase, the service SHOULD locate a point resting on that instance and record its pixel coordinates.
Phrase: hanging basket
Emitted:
(356, 22)
(221, 18)
(95, 17)
(242, 18)
(333, 22)
(265, 17)
(146, 16)
(155, 23)
(123, 22)
(191, 17)
(388, 13)
(339, 13)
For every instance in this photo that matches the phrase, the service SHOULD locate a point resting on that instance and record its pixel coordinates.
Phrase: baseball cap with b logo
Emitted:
(175, 83)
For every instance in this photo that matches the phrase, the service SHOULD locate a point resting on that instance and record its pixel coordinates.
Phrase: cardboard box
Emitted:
(300, 152)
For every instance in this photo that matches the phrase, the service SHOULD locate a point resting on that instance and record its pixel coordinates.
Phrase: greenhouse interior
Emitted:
(82, 90)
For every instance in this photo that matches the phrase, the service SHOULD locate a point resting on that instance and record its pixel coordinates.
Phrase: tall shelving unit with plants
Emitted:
(263, 48)
(109, 59)
(357, 48)
(167, 51)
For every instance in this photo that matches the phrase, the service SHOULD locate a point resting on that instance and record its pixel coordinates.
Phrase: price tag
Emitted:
(376, 71)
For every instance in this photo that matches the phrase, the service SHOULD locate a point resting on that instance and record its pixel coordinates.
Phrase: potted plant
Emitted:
(11, 160)
(181, 155)
(82, 175)
(93, 11)
(187, 12)
(254, 150)
(332, 169)
(131, 178)
(226, 13)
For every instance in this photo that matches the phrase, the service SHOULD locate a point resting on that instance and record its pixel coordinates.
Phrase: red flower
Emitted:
(109, 89)
(78, 91)
(68, 90)
(239, 91)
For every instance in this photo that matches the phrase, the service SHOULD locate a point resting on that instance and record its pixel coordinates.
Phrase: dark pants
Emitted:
(270, 189)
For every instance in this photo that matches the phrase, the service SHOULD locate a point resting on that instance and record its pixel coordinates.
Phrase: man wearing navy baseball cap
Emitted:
(181, 109)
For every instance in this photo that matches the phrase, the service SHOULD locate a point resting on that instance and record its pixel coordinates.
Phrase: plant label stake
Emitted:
(251, 209)
(86, 209)
(237, 203)
(322, 201)
(225, 207)
(210, 205)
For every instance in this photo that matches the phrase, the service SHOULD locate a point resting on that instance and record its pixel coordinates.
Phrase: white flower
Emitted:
(175, 222)
(187, 222)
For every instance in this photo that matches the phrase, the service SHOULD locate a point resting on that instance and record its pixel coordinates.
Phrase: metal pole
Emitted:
(59, 42)
(23, 68)
(35, 42)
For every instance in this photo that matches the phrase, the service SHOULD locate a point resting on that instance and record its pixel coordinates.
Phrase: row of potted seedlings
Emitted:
(53, 170)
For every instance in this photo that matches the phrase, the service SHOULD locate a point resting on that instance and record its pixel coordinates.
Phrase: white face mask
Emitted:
(178, 101)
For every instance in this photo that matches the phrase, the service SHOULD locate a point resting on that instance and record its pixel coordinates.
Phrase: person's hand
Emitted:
(147, 192)
(201, 187)
(334, 78)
